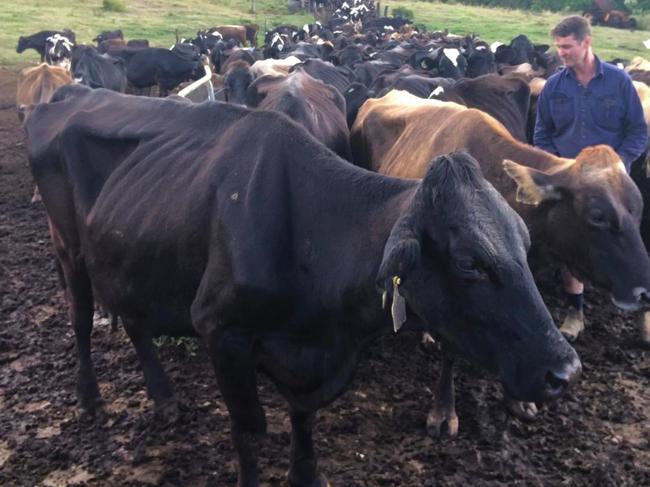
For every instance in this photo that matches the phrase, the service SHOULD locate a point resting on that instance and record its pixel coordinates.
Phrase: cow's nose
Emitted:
(558, 381)
(642, 294)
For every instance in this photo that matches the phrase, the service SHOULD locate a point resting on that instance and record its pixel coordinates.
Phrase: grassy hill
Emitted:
(157, 20)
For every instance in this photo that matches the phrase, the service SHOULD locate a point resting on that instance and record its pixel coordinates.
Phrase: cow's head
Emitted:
(590, 212)
(236, 82)
(22, 44)
(58, 50)
(458, 257)
(451, 64)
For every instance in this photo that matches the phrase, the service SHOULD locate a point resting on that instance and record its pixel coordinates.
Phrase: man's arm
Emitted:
(544, 124)
(635, 138)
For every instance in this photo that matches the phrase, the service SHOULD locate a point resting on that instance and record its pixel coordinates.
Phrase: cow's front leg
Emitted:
(234, 365)
(159, 387)
(444, 403)
(303, 471)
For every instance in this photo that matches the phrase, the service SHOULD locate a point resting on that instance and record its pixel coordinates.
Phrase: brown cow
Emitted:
(37, 85)
(399, 134)
(586, 211)
(231, 32)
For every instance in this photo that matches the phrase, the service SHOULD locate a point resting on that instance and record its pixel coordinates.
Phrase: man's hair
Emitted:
(575, 25)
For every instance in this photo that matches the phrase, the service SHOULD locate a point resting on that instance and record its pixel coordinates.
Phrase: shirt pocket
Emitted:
(562, 111)
(607, 112)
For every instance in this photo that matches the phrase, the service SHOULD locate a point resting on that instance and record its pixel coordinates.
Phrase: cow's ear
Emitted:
(401, 253)
(401, 256)
(533, 186)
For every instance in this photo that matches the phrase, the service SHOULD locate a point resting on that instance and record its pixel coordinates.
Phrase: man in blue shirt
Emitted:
(586, 103)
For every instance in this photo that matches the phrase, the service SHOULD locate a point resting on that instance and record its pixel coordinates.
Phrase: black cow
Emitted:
(355, 96)
(522, 50)
(419, 85)
(339, 77)
(37, 41)
(97, 71)
(108, 34)
(480, 61)
(276, 255)
(236, 80)
(163, 67)
(506, 98)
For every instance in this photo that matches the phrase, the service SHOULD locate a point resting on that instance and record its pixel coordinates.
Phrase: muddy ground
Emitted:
(374, 435)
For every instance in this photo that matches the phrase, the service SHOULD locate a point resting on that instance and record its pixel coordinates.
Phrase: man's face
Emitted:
(571, 51)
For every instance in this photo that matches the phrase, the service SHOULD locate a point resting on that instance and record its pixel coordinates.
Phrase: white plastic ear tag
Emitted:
(398, 308)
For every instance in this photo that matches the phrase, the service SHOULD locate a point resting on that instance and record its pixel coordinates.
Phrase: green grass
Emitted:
(157, 20)
(114, 5)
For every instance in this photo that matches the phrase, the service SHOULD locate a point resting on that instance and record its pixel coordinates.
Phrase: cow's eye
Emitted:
(470, 269)
(596, 218)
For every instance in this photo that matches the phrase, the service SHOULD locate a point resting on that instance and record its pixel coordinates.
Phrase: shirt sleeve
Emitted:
(542, 136)
(635, 137)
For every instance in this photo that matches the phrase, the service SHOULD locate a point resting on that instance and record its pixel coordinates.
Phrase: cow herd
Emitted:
(362, 177)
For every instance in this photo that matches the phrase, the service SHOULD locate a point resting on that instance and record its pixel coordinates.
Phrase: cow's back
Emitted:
(387, 135)
(38, 84)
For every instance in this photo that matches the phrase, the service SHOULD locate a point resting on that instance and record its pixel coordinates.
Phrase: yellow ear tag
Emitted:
(398, 308)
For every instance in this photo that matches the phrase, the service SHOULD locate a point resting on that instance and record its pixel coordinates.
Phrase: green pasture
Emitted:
(158, 20)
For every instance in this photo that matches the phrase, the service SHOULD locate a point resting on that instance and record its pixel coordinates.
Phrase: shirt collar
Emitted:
(600, 69)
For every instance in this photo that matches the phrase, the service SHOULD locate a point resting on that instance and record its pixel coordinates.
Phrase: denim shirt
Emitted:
(608, 111)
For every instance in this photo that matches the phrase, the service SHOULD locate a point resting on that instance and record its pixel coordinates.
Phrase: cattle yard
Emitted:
(373, 435)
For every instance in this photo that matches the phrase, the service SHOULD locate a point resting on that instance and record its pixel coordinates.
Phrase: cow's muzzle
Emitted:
(557, 382)
(641, 300)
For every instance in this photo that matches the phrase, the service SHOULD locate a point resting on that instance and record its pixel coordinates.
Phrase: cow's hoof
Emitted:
(319, 481)
(166, 413)
(573, 325)
(644, 329)
(526, 411)
(440, 421)
(92, 411)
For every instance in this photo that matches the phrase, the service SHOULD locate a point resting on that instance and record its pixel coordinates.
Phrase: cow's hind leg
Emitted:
(234, 365)
(304, 464)
(81, 308)
(159, 387)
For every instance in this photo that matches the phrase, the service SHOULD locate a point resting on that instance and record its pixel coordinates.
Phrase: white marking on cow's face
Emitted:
(79, 80)
(216, 34)
(438, 91)
(452, 54)
(481, 48)
(620, 65)
(388, 28)
(495, 45)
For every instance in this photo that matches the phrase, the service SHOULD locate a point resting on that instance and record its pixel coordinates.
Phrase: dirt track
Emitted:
(599, 434)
